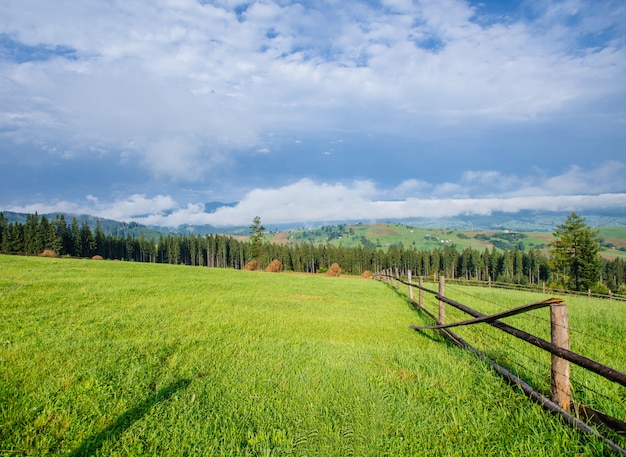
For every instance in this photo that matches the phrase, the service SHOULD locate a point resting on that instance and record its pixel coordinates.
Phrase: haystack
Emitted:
(253, 265)
(334, 270)
(275, 266)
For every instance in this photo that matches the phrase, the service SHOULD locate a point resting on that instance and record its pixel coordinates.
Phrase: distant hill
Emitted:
(113, 227)
(527, 221)
(523, 221)
(109, 226)
(389, 235)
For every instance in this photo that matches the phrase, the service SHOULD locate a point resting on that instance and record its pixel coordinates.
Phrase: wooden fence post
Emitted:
(421, 293)
(397, 279)
(442, 310)
(410, 285)
(559, 375)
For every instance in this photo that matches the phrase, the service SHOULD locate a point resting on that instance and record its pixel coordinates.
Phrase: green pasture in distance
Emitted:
(383, 236)
(113, 358)
(614, 239)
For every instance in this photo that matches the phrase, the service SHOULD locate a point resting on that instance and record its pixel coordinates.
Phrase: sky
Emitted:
(311, 110)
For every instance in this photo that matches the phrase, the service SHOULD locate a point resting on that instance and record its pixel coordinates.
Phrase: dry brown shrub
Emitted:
(97, 257)
(275, 266)
(367, 274)
(48, 253)
(253, 265)
(334, 270)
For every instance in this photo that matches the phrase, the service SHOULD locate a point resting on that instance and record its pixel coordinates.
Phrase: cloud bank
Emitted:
(309, 201)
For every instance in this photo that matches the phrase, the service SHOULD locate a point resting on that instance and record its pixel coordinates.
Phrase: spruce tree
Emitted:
(575, 253)
(256, 240)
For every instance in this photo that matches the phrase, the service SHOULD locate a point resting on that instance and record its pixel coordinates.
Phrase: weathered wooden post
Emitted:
(408, 275)
(559, 376)
(442, 310)
(421, 293)
(397, 279)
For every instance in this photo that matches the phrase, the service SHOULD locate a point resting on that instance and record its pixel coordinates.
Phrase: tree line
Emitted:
(560, 269)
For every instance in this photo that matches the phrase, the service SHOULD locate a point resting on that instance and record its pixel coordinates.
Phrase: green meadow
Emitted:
(112, 358)
(383, 236)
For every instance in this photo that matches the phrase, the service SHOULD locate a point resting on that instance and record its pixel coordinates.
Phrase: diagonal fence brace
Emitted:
(493, 317)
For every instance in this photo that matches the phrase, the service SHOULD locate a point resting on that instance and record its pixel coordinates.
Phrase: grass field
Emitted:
(120, 359)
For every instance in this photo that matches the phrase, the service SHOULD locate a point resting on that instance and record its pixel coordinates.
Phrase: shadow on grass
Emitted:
(91, 445)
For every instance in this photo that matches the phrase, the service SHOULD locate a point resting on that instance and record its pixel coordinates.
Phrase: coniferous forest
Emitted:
(39, 233)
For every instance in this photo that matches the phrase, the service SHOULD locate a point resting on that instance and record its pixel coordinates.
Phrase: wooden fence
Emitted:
(560, 401)
(537, 288)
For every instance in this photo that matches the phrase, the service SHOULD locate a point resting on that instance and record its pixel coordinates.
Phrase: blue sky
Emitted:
(313, 110)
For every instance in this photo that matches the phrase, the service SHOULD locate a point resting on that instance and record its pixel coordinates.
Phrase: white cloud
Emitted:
(175, 157)
(45, 207)
(310, 201)
(130, 208)
(161, 71)
(136, 206)
(606, 177)
(410, 187)
(338, 203)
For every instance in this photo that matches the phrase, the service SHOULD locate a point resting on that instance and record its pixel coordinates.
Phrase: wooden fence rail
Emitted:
(560, 401)
(536, 288)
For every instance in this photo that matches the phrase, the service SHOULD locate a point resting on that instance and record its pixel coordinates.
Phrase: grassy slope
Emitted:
(113, 358)
(388, 234)
(427, 238)
(616, 236)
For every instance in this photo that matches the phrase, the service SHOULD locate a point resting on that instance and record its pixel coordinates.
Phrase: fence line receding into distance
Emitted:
(560, 401)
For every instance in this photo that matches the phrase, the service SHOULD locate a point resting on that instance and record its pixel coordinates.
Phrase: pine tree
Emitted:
(99, 240)
(575, 253)
(4, 229)
(256, 240)
(88, 243)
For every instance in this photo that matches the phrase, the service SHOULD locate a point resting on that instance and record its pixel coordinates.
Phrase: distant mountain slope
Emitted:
(526, 221)
(523, 221)
(109, 226)
(112, 227)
